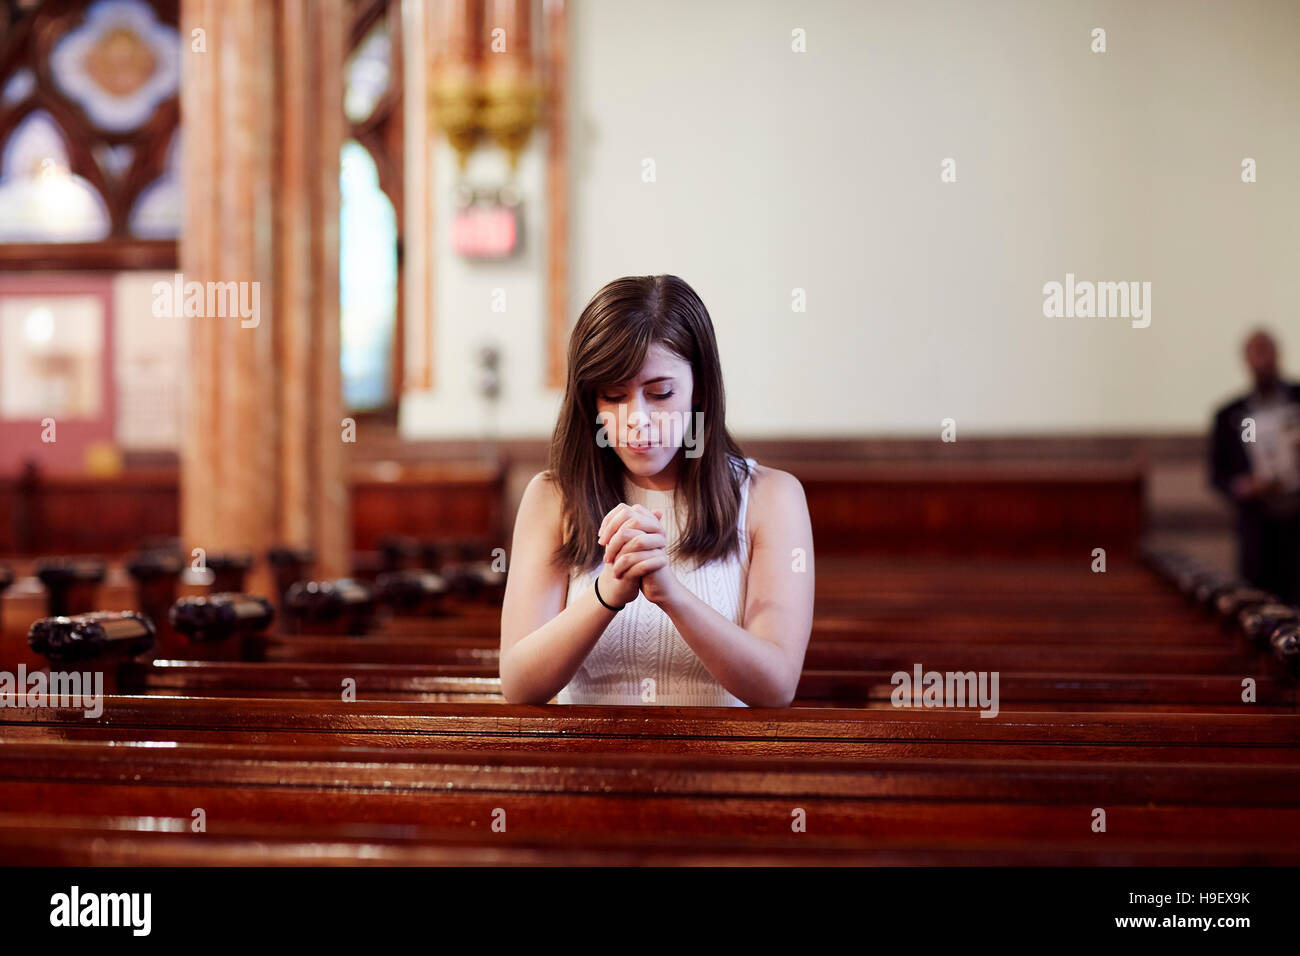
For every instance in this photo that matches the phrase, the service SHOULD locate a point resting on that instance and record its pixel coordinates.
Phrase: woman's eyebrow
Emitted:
(649, 381)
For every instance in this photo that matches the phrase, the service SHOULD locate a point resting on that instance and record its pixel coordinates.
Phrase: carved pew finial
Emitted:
(122, 634)
(216, 617)
(229, 569)
(289, 565)
(338, 606)
(411, 592)
(1259, 621)
(70, 583)
(1286, 647)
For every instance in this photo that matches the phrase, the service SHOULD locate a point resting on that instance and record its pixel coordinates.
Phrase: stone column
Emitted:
(262, 459)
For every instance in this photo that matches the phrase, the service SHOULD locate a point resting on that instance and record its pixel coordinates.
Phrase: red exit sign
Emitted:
(485, 230)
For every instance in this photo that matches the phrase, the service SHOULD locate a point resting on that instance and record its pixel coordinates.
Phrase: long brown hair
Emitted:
(608, 346)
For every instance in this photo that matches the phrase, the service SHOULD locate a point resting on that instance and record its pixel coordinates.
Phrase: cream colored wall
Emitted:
(820, 170)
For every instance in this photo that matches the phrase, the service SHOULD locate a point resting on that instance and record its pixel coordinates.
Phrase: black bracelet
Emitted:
(602, 600)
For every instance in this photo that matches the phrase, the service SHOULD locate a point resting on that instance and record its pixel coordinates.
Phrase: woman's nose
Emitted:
(637, 416)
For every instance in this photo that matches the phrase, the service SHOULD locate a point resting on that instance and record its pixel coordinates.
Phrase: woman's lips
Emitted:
(641, 449)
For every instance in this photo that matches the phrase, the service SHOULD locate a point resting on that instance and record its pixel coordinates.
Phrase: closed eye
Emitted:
(658, 398)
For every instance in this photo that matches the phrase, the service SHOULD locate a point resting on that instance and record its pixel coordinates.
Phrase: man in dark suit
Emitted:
(1255, 462)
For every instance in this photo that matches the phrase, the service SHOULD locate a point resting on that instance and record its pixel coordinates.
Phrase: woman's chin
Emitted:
(649, 463)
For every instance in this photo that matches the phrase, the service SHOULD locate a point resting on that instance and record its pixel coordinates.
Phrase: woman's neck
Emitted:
(666, 480)
(650, 484)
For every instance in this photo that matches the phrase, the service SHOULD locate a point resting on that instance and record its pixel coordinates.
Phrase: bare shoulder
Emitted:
(541, 502)
(773, 485)
(540, 514)
(774, 496)
(543, 484)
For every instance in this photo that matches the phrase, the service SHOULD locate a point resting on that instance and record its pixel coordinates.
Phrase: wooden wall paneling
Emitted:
(854, 510)
(974, 510)
(439, 502)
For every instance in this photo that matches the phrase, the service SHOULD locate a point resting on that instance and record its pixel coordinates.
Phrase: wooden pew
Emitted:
(451, 671)
(1087, 749)
(453, 682)
(854, 734)
(1248, 806)
(44, 840)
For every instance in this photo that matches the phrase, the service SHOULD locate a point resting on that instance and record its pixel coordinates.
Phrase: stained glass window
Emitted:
(367, 280)
(41, 199)
(119, 64)
(90, 96)
(368, 71)
(159, 207)
(370, 209)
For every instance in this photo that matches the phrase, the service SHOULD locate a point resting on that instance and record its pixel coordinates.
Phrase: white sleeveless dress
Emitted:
(641, 658)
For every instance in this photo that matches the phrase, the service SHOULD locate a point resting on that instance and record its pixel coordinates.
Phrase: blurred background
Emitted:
(411, 201)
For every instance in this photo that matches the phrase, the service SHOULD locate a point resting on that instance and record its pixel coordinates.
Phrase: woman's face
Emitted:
(644, 419)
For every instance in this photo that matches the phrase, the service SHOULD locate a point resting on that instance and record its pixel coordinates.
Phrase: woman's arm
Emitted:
(543, 642)
(761, 662)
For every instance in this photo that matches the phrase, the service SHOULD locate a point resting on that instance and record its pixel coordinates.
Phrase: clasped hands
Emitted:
(636, 557)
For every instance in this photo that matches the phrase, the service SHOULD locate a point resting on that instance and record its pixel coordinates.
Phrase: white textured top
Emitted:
(641, 658)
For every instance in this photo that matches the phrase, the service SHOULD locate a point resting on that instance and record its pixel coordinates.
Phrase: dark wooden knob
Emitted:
(342, 605)
(1190, 575)
(64, 571)
(228, 571)
(97, 634)
(1229, 604)
(70, 583)
(290, 565)
(463, 564)
(434, 555)
(410, 592)
(146, 566)
(398, 552)
(1259, 621)
(1286, 647)
(218, 616)
(488, 583)
(157, 573)
(1211, 585)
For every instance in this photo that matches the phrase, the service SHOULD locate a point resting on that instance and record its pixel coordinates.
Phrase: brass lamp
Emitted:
(473, 92)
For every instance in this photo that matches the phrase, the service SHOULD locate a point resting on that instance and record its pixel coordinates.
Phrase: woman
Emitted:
(652, 562)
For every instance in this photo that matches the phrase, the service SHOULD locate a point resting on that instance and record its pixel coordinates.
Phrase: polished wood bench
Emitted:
(938, 780)
(42, 840)
(1247, 806)
(847, 688)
